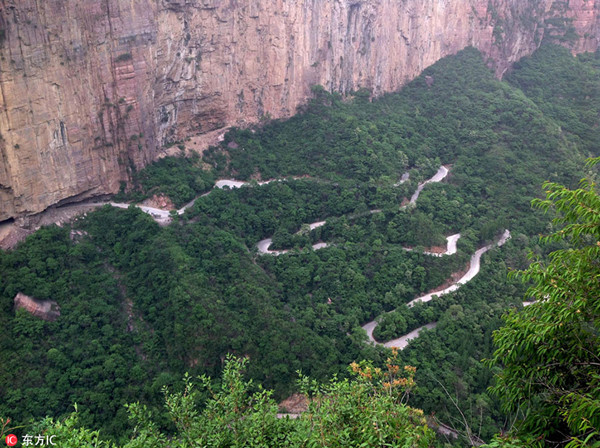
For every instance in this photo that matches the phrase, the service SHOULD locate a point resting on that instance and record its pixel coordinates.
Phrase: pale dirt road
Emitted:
(474, 267)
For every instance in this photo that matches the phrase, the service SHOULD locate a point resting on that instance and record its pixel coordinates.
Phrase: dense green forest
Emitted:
(180, 179)
(142, 304)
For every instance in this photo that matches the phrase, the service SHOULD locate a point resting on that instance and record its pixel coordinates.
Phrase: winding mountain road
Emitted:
(450, 247)
(164, 217)
(263, 245)
(474, 267)
(442, 172)
(403, 341)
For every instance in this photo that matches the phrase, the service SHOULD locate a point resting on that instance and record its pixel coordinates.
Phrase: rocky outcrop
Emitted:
(575, 24)
(44, 309)
(93, 89)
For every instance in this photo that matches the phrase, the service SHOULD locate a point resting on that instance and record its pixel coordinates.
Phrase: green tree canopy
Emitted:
(367, 411)
(550, 351)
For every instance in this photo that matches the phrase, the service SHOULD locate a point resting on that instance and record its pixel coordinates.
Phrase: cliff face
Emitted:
(90, 89)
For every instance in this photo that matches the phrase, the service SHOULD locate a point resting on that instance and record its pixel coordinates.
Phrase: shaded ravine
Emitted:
(474, 267)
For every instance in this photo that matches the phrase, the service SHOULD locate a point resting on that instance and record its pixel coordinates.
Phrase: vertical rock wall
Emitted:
(76, 82)
(92, 89)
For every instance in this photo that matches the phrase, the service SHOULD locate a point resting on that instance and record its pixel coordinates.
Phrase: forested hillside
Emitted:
(142, 304)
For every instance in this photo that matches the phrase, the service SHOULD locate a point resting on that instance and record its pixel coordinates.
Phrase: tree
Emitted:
(550, 351)
(369, 410)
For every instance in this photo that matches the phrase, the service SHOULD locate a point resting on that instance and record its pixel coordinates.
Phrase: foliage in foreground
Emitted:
(368, 410)
(550, 351)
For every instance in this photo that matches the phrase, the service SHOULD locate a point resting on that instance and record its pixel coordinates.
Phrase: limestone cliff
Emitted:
(90, 89)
